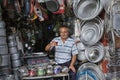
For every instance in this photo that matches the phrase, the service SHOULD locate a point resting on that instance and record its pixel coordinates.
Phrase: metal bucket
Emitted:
(91, 31)
(3, 49)
(88, 9)
(4, 60)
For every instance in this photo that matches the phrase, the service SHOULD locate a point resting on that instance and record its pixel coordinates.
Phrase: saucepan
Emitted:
(52, 5)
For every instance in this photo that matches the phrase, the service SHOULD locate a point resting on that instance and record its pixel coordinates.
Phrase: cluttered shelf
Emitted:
(63, 75)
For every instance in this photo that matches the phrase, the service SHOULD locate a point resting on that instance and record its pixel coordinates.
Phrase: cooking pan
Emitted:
(52, 5)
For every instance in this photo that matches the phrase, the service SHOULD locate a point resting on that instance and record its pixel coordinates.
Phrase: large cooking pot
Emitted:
(15, 56)
(4, 60)
(52, 5)
(3, 40)
(95, 53)
(91, 31)
(16, 63)
(2, 32)
(89, 71)
(87, 9)
(3, 49)
(13, 50)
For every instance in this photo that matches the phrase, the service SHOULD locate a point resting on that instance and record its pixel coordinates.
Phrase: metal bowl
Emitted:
(95, 53)
(89, 71)
(81, 56)
(88, 9)
(91, 31)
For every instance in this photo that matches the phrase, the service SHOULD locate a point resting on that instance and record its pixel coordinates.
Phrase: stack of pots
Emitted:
(4, 56)
(14, 54)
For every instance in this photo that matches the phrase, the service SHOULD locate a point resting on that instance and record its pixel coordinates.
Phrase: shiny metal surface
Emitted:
(91, 31)
(89, 71)
(87, 9)
(95, 53)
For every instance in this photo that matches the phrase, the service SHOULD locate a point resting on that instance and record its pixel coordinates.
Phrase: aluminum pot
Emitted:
(13, 50)
(2, 32)
(52, 5)
(5, 60)
(80, 46)
(2, 24)
(15, 56)
(81, 56)
(95, 53)
(3, 40)
(5, 70)
(3, 49)
(16, 63)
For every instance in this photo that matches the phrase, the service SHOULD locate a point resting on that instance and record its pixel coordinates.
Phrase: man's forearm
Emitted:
(73, 60)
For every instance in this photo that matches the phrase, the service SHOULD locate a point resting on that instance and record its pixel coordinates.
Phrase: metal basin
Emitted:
(95, 53)
(88, 9)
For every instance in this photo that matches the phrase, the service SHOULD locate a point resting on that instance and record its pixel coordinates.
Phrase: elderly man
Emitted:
(65, 50)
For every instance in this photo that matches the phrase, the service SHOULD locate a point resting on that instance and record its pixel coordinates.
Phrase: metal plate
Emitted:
(89, 71)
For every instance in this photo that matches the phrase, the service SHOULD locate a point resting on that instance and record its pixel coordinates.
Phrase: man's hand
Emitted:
(71, 67)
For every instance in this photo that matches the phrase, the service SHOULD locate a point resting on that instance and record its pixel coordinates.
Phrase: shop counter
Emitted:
(63, 75)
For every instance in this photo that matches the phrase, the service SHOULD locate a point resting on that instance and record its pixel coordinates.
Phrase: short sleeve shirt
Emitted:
(64, 51)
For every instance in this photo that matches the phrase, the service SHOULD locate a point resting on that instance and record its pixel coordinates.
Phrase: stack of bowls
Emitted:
(91, 31)
(15, 54)
(4, 56)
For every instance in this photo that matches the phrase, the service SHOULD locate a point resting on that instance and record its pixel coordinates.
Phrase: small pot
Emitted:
(13, 50)
(4, 60)
(16, 63)
(15, 56)
(49, 69)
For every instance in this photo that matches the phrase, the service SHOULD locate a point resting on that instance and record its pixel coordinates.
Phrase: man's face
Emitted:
(64, 33)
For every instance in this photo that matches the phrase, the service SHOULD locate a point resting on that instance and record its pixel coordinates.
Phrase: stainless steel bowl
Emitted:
(91, 31)
(88, 9)
(95, 53)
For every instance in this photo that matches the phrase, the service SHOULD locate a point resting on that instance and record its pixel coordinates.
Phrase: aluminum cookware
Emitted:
(95, 53)
(81, 56)
(91, 31)
(3, 40)
(16, 63)
(13, 50)
(3, 49)
(80, 46)
(89, 71)
(65, 69)
(2, 24)
(52, 5)
(2, 32)
(15, 56)
(5, 60)
(23, 71)
(111, 43)
(87, 9)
